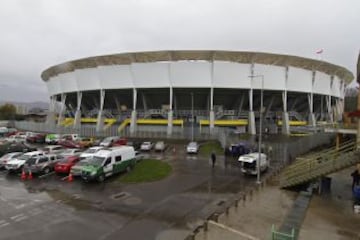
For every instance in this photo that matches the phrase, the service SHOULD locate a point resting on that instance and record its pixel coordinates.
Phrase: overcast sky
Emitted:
(37, 34)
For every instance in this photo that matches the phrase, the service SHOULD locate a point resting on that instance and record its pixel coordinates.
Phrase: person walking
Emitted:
(213, 159)
(356, 178)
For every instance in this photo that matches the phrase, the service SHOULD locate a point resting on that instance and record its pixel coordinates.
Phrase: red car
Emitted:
(119, 142)
(36, 138)
(65, 164)
(69, 143)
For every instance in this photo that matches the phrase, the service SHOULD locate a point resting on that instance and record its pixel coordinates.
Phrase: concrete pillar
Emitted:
(170, 113)
(312, 120)
(100, 117)
(329, 109)
(212, 114)
(285, 128)
(50, 118)
(133, 113)
(62, 110)
(170, 124)
(251, 123)
(77, 120)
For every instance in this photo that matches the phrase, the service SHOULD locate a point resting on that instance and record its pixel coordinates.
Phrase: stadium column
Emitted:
(212, 114)
(329, 106)
(100, 117)
(312, 119)
(77, 121)
(62, 109)
(170, 113)
(251, 120)
(285, 128)
(50, 118)
(133, 113)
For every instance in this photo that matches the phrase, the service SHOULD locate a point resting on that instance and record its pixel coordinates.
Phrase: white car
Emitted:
(249, 163)
(15, 139)
(192, 147)
(160, 146)
(146, 146)
(90, 152)
(55, 149)
(107, 142)
(71, 152)
(17, 164)
(7, 157)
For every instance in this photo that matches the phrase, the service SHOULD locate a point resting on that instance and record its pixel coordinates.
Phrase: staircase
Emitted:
(313, 166)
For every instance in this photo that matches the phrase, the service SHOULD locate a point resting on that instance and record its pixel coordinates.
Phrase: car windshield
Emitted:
(146, 143)
(24, 157)
(64, 160)
(68, 151)
(83, 163)
(96, 161)
(192, 144)
(106, 140)
(90, 150)
(31, 161)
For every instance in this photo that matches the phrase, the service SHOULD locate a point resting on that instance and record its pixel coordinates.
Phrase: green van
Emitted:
(107, 162)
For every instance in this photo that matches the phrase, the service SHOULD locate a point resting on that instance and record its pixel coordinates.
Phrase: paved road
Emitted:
(50, 208)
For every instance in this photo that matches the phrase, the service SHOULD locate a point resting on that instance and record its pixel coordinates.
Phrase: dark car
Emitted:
(15, 147)
(239, 149)
(36, 138)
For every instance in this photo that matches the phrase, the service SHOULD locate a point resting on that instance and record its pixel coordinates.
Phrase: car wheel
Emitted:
(101, 178)
(46, 170)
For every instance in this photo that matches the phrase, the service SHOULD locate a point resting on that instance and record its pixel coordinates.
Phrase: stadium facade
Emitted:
(210, 88)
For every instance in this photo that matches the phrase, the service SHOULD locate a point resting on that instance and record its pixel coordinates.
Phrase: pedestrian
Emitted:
(213, 159)
(356, 178)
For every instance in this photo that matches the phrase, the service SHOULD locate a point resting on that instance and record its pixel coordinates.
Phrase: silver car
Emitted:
(7, 157)
(160, 146)
(42, 164)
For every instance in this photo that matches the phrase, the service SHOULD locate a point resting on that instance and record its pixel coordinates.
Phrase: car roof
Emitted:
(33, 153)
(96, 147)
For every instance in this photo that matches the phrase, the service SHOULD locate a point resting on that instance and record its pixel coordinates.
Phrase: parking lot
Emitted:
(50, 207)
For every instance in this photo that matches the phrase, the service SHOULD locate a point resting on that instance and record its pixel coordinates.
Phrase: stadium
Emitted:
(171, 90)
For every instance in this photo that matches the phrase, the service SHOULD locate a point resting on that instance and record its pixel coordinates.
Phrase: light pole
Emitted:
(192, 116)
(260, 124)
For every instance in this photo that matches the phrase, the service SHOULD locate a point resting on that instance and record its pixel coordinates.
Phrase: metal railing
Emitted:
(313, 166)
(276, 235)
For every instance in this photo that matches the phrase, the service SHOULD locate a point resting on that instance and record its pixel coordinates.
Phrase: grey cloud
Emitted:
(38, 34)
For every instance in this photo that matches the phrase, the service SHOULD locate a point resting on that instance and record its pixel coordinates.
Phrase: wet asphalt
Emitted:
(53, 208)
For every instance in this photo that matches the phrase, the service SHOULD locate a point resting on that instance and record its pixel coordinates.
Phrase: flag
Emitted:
(319, 51)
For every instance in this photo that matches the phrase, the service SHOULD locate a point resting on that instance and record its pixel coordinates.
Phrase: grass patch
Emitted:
(208, 147)
(148, 170)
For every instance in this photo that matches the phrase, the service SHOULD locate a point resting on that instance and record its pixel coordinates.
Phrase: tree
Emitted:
(7, 111)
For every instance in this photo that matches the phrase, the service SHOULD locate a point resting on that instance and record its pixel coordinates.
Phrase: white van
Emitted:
(107, 162)
(249, 163)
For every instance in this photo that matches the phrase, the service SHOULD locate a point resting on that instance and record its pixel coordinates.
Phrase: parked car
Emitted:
(68, 143)
(7, 147)
(71, 152)
(52, 138)
(107, 162)
(11, 131)
(55, 149)
(77, 168)
(249, 161)
(42, 164)
(15, 139)
(73, 137)
(65, 164)
(192, 147)
(7, 157)
(146, 146)
(17, 164)
(90, 152)
(119, 142)
(85, 142)
(160, 146)
(35, 138)
(109, 141)
(238, 149)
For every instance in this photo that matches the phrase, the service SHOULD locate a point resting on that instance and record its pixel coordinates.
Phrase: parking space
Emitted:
(51, 207)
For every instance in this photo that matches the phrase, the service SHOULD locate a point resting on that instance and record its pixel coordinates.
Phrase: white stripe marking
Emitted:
(4, 225)
(16, 216)
(3, 199)
(20, 206)
(2, 221)
(20, 219)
